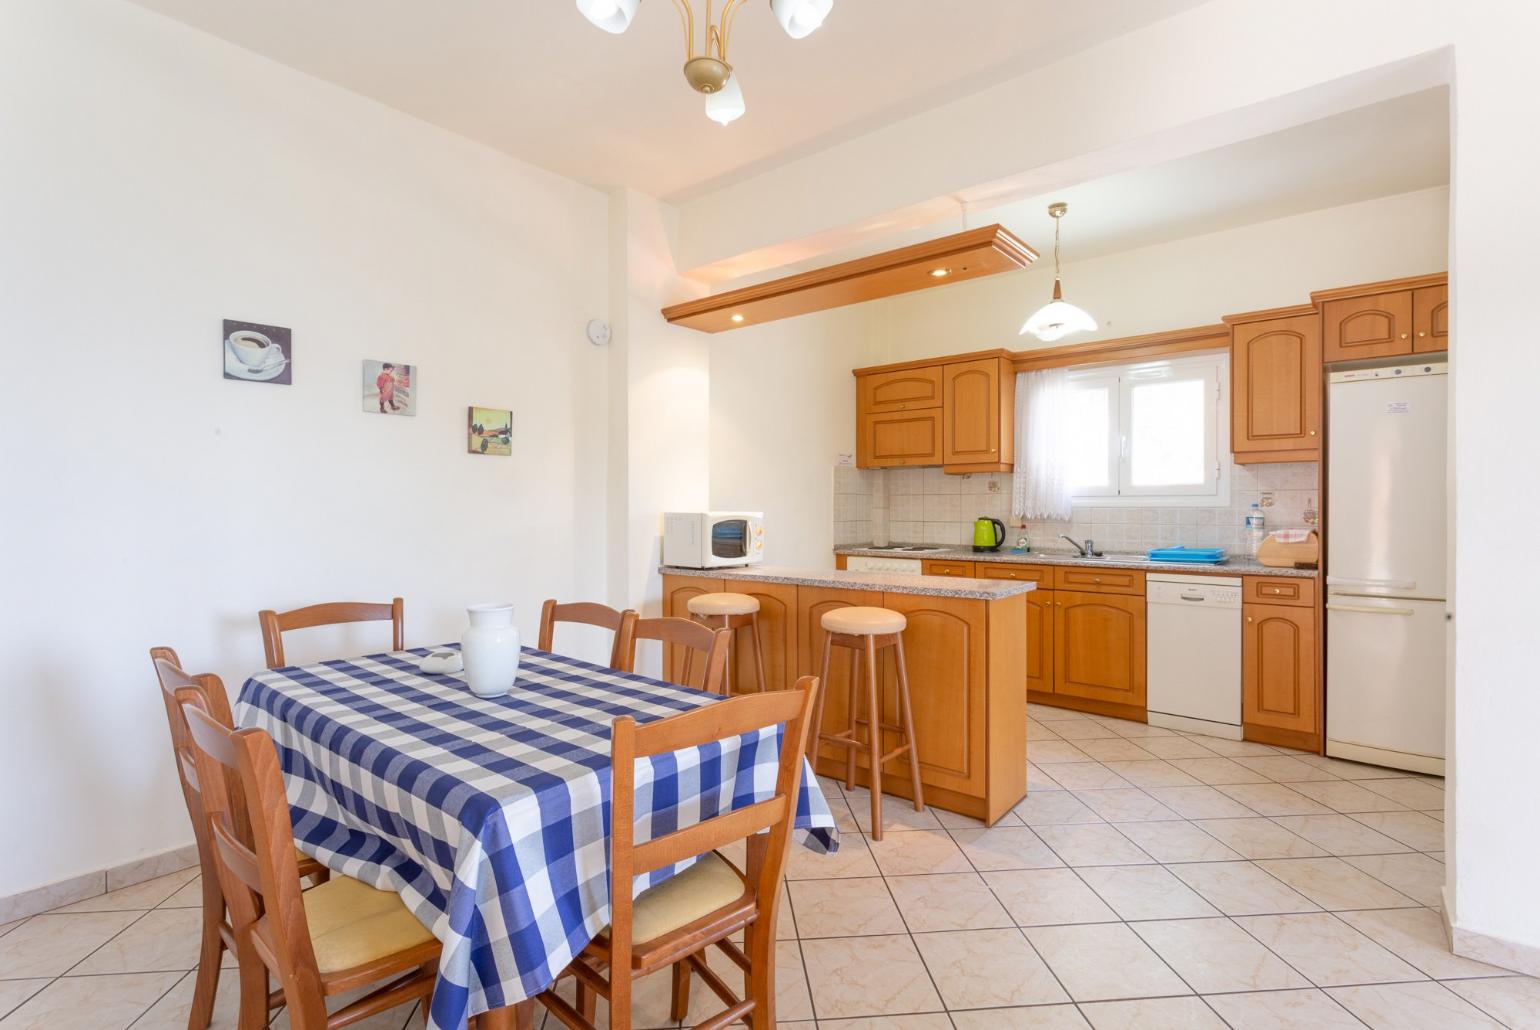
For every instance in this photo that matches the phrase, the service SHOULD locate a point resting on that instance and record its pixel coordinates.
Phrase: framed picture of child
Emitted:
(388, 388)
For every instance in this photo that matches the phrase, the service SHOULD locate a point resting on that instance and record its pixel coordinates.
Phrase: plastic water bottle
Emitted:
(1256, 528)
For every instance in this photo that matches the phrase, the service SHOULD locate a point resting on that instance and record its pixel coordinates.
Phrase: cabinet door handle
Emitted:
(1403, 336)
(1312, 432)
(1421, 333)
(1249, 619)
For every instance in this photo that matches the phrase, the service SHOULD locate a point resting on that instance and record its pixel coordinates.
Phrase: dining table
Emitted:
(490, 816)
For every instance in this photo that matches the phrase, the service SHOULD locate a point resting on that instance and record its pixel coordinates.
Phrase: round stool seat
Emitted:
(722, 604)
(864, 622)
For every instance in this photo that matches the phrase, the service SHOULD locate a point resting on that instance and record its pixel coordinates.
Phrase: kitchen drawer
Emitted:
(947, 568)
(908, 389)
(1279, 590)
(1100, 581)
(1040, 574)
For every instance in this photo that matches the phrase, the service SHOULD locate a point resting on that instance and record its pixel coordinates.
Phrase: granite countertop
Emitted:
(894, 582)
(1235, 566)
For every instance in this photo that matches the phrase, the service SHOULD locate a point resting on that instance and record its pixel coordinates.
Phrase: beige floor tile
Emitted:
(1149, 1013)
(1434, 814)
(1058, 806)
(947, 901)
(868, 976)
(1215, 955)
(1340, 834)
(652, 994)
(90, 1002)
(1259, 838)
(1416, 1006)
(958, 821)
(1092, 844)
(1350, 770)
(1217, 770)
(1417, 935)
(1176, 842)
(1043, 897)
(1414, 829)
(897, 813)
(1235, 748)
(1124, 805)
(1005, 847)
(1417, 876)
(1327, 950)
(164, 940)
(1042, 1017)
(8, 927)
(1153, 773)
(140, 896)
(1040, 731)
(1049, 713)
(1086, 776)
(1138, 730)
(987, 968)
(1038, 778)
(1283, 769)
(1199, 802)
(189, 895)
(1055, 752)
(14, 992)
(1240, 888)
(786, 920)
(918, 1021)
(1176, 747)
(1114, 749)
(1335, 885)
(911, 852)
(171, 1011)
(1412, 793)
(1083, 729)
(1103, 962)
(49, 945)
(1273, 799)
(1342, 796)
(853, 858)
(844, 908)
(1514, 1000)
(1283, 1010)
(1145, 892)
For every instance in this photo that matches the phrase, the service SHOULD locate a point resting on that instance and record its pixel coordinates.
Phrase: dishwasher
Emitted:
(1194, 652)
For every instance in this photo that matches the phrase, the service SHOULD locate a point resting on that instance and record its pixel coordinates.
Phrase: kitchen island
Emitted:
(966, 663)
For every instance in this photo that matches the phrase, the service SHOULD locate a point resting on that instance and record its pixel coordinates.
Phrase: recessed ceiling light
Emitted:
(737, 318)
(940, 273)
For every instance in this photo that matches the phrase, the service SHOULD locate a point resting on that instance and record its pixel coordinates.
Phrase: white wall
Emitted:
(156, 181)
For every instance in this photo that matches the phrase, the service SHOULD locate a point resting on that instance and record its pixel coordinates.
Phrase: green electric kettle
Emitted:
(988, 534)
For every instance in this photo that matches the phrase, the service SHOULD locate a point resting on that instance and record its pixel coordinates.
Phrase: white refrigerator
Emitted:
(1386, 565)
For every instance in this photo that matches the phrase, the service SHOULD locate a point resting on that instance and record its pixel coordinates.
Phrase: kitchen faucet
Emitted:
(1087, 550)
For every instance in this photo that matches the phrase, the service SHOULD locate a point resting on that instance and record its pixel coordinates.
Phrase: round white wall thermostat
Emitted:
(598, 332)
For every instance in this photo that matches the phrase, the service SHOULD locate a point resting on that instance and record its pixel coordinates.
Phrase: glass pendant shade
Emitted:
(610, 15)
(1057, 318)
(800, 17)
(726, 104)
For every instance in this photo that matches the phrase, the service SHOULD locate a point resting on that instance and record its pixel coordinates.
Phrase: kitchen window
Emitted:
(1149, 433)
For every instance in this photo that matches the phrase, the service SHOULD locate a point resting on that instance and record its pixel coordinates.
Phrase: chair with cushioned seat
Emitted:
(732, 612)
(673, 923)
(865, 631)
(335, 938)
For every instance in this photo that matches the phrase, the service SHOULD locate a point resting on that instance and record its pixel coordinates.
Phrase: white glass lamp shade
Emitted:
(610, 15)
(726, 104)
(1056, 319)
(800, 17)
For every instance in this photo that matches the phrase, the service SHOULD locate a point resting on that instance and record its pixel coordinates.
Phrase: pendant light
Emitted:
(800, 17)
(726, 104)
(1058, 317)
(610, 15)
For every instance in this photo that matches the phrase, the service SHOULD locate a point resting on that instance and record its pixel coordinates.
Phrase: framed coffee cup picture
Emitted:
(258, 353)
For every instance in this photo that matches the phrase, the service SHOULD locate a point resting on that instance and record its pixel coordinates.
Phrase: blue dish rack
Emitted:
(1188, 555)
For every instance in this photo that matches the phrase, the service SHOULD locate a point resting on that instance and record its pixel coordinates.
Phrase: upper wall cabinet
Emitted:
(957, 414)
(978, 415)
(908, 389)
(1385, 320)
(1275, 385)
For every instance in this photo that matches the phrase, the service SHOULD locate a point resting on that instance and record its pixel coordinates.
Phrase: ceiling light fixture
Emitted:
(940, 273)
(1058, 318)
(737, 318)
(709, 72)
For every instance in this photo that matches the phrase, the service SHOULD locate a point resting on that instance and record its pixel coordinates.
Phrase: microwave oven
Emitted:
(713, 539)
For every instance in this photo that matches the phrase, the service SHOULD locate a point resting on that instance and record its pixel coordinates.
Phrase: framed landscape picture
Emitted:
(490, 431)
(388, 388)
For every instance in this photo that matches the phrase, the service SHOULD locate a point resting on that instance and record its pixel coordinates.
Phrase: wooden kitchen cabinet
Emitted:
(778, 629)
(1275, 385)
(677, 591)
(1430, 319)
(1040, 641)
(978, 416)
(907, 389)
(1383, 320)
(1099, 650)
(1280, 695)
(947, 568)
(894, 439)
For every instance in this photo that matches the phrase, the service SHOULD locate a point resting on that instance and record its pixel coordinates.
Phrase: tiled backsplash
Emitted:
(928, 506)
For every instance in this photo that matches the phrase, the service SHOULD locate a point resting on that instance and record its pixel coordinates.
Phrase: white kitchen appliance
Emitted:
(713, 539)
(1386, 561)
(867, 563)
(1194, 653)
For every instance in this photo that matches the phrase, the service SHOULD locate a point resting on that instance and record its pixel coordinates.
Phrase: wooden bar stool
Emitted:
(732, 612)
(866, 631)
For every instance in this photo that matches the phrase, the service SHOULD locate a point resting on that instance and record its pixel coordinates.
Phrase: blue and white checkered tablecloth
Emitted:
(491, 817)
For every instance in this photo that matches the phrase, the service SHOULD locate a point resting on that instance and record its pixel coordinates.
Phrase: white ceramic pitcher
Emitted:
(490, 647)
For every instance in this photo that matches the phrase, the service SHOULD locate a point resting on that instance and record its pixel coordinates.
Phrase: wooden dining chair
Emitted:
(587, 613)
(217, 934)
(703, 665)
(337, 937)
(674, 923)
(333, 613)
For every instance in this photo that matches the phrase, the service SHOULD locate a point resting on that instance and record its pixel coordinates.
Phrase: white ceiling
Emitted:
(532, 78)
